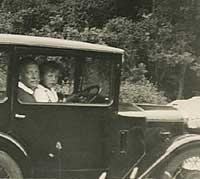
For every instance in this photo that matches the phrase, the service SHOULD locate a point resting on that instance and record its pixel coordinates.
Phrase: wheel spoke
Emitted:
(178, 173)
(3, 173)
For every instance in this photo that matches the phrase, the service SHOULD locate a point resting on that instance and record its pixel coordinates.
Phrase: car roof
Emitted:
(26, 40)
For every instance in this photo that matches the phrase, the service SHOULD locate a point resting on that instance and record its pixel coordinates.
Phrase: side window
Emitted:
(64, 79)
(3, 75)
(96, 72)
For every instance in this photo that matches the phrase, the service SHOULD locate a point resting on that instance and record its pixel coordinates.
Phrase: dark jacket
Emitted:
(23, 96)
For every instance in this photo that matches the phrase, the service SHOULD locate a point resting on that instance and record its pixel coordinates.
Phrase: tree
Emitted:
(173, 45)
(160, 37)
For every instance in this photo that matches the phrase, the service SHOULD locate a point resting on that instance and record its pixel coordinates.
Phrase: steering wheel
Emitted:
(86, 95)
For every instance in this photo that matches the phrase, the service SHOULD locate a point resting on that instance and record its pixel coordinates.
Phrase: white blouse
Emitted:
(43, 94)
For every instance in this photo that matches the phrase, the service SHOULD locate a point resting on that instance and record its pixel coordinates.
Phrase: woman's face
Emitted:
(50, 78)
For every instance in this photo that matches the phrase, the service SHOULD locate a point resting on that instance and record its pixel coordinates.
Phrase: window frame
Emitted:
(21, 50)
(7, 90)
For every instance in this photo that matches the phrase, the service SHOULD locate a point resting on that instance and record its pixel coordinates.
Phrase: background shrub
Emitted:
(141, 92)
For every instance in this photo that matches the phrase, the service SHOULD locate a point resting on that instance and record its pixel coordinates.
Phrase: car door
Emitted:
(67, 138)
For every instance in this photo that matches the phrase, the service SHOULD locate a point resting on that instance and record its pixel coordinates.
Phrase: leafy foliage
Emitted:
(141, 92)
(6, 25)
(161, 38)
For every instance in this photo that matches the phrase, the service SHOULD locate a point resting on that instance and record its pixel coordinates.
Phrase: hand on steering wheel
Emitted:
(86, 96)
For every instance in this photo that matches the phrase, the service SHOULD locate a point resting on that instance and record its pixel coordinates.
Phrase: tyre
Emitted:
(184, 165)
(8, 167)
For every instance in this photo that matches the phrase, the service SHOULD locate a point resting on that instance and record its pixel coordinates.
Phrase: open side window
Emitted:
(81, 79)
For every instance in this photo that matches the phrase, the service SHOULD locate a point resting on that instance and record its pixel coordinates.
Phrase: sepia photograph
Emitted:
(99, 89)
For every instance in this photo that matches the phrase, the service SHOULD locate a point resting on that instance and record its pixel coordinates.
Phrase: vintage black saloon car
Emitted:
(86, 133)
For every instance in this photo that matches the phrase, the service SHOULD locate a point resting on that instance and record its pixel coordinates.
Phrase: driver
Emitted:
(49, 74)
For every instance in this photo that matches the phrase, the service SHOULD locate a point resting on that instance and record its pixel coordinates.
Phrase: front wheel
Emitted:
(184, 165)
(8, 167)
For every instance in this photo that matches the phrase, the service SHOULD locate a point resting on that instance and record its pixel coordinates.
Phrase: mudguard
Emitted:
(13, 148)
(163, 153)
(13, 141)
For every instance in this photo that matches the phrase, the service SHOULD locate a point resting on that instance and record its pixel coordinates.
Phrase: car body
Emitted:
(91, 136)
(190, 111)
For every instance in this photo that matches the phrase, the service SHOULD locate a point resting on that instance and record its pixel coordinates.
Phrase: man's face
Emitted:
(30, 76)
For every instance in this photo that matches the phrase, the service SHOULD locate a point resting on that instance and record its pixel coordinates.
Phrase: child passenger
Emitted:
(49, 74)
